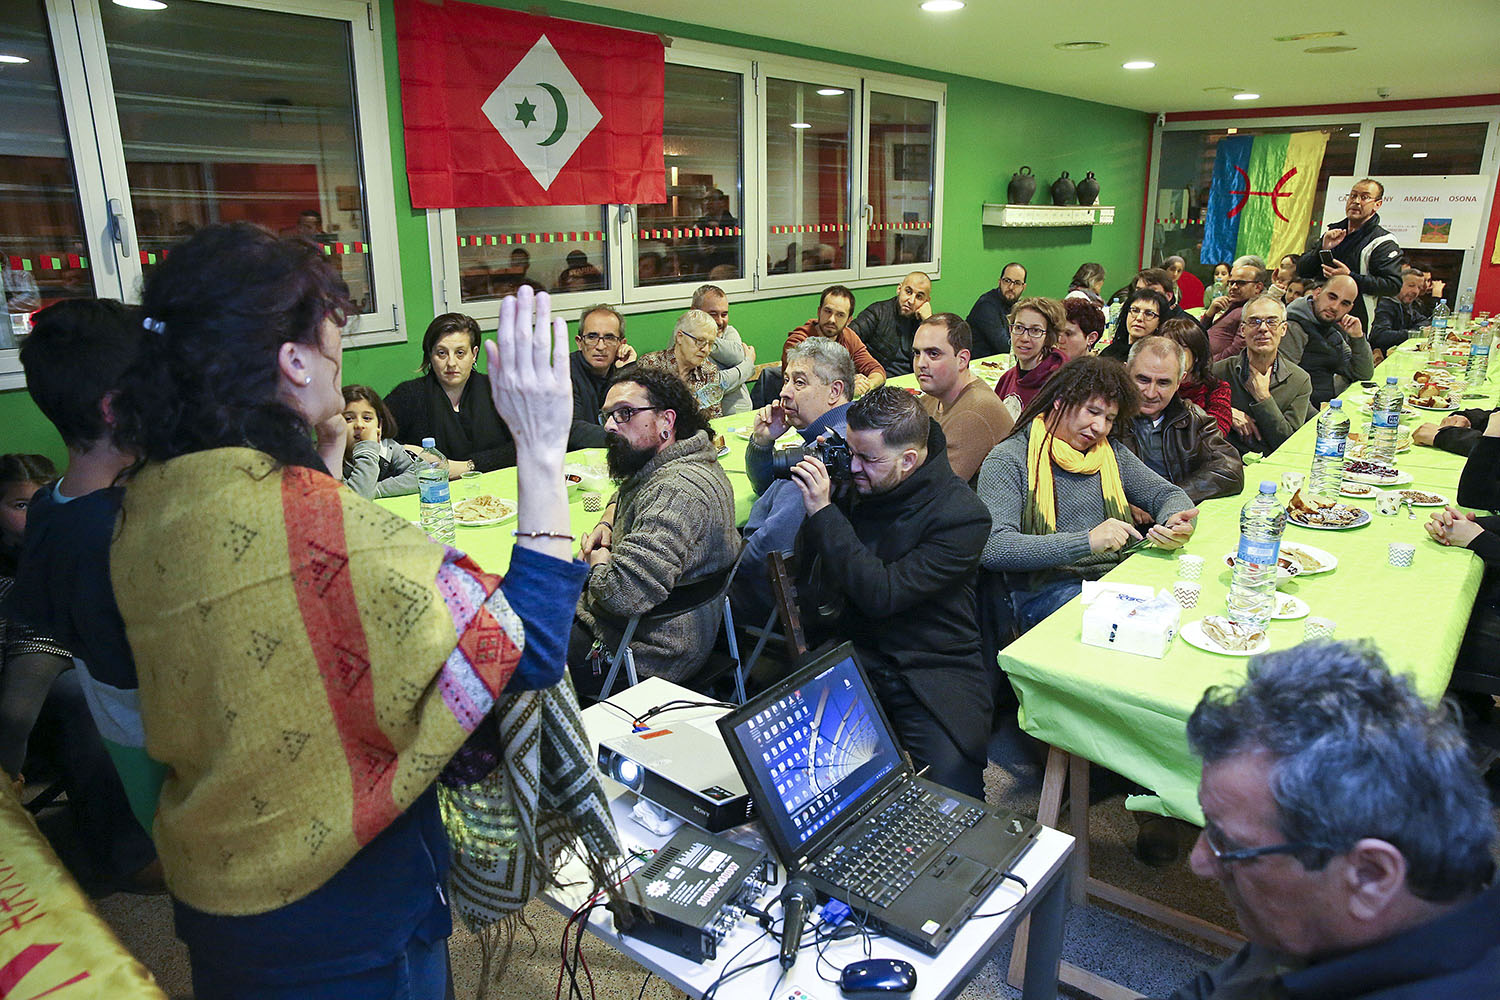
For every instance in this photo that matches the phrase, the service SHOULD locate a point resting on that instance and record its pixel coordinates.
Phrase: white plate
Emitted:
(1441, 500)
(510, 512)
(1289, 608)
(1192, 633)
(1329, 562)
(1363, 519)
(1402, 478)
(1372, 491)
(1438, 409)
(724, 451)
(1283, 574)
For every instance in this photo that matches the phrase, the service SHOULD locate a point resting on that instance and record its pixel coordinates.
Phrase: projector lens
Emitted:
(627, 772)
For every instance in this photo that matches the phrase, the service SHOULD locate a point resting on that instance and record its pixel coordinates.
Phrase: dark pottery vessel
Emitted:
(1062, 190)
(1088, 190)
(1022, 187)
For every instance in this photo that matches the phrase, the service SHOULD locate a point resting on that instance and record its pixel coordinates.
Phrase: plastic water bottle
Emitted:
(1440, 318)
(1385, 421)
(1252, 582)
(432, 489)
(1328, 453)
(1478, 367)
(1466, 309)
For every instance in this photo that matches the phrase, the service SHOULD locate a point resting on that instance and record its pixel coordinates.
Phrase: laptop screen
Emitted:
(815, 744)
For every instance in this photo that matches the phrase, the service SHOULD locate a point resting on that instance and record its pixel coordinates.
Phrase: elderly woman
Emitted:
(1035, 325)
(1144, 313)
(449, 405)
(688, 358)
(307, 662)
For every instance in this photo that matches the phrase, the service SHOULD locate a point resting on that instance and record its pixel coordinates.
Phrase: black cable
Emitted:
(642, 993)
(677, 703)
(708, 993)
(776, 985)
(1000, 913)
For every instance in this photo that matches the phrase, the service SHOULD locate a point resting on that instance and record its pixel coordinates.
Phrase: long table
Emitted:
(1130, 712)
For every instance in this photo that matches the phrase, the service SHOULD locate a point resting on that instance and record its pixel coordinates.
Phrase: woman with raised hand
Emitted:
(310, 664)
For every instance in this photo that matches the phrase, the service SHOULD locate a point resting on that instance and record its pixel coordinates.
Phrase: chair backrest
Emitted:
(695, 594)
(785, 592)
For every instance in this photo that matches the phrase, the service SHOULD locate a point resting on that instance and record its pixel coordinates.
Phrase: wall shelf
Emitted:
(1036, 216)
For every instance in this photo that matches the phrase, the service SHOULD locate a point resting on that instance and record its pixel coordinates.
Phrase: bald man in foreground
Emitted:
(1327, 341)
(888, 327)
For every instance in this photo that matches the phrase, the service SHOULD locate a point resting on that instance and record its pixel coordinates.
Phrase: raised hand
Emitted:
(528, 372)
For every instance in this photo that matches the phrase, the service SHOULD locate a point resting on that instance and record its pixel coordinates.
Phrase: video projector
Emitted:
(682, 769)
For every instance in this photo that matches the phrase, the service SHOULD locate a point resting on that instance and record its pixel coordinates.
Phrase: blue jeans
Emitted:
(1034, 605)
(421, 973)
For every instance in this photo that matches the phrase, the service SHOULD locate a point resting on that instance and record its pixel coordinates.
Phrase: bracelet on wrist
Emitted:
(544, 534)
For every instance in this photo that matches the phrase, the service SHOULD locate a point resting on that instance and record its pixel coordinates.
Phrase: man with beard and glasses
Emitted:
(670, 522)
(989, 320)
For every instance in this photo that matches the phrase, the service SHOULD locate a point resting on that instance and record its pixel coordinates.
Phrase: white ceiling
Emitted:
(1414, 50)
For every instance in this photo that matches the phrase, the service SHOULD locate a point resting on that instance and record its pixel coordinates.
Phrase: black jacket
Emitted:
(1119, 348)
(588, 400)
(990, 322)
(1331, 358)
(1479, 483)
(1373, 257)
(887, 334)
(1198, 458)
(1461, 440)
(474, 432)
(1393, 318)
(898, 571)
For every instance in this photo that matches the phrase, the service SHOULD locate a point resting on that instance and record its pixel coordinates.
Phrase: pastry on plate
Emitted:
(1237, 636)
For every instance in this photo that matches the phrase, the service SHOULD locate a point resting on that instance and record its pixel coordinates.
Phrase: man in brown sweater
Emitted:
(835, 306)
(972, 417)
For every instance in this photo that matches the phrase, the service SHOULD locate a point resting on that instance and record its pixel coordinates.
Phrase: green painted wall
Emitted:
(992, 130)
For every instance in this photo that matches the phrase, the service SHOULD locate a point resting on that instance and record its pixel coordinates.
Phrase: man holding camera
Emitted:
(819, 382)
(887, 559)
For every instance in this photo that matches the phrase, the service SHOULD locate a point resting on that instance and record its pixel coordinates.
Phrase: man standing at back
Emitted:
(1327, 340)
(890, 565)
(734, 358)
(989, 320)
(1362, 250)
(972, 417)
(835, 306)
(887, 326)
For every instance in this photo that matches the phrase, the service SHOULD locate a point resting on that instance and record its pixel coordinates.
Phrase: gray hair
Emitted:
(697, 323)
(1162, 347)
(1273, 300)
(704, 291)
(1254, 260)
(1410, 272)
(829, 361)
(1174, 259)
(602, 308)
(1357, 753)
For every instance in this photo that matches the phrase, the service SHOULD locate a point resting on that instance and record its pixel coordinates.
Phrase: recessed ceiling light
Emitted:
(1139, 64)
(1393, 145)
(1328, 50)
(1308, 36)
(830, 92)
(1246, 96)
(801, 125)
(1354, 135)
(1232, 131)
(141, 4)
(1080, 46)
(1419, 156)
(11, 60)
(942, 6)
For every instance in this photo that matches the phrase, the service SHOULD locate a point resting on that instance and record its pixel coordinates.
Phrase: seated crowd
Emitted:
(1102, 431)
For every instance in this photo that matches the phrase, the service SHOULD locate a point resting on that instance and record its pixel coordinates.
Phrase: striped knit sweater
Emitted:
(674, 523)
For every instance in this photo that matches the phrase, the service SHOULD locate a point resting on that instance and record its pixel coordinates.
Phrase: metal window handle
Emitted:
(625, 214)
(117, 230)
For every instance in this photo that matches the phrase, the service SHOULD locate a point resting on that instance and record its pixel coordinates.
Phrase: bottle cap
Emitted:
(1391, 380)
(1267, 486)
(429, 442)
(1337, 404)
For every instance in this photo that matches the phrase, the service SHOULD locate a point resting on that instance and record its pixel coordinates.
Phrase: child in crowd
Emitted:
(375, 463)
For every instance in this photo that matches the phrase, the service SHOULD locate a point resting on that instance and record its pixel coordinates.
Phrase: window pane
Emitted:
(808, 138)
(901, 180)
(695, 235)
(43, 256)
(552, 249)
(1429, 149)
(231, 114)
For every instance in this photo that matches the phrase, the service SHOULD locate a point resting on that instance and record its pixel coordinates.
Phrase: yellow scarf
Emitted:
(1039, 517)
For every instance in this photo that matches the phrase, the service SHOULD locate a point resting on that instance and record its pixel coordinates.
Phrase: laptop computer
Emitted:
(843, 808)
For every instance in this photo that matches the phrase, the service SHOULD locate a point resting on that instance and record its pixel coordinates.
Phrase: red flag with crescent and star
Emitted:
(504, 108)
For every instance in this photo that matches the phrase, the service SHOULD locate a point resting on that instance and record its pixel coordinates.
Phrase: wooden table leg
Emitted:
(1048, 812)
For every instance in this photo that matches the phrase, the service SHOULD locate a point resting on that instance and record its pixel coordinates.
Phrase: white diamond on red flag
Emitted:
(541, 110)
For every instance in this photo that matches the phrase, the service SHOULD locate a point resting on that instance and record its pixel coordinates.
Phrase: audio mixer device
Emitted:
(692, 893)
(683, 769)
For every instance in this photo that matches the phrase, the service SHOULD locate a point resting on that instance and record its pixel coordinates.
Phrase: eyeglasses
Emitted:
(622, 415)
(698, 340)
(1013, 283)
(1237, 282)
(1360, 196)
(1144, 313)
(595, 338)
(1225, 856)
(1029, 332)
(1261, 323)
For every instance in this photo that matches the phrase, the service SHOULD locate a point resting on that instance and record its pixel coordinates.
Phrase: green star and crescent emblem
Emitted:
(541, 89)
(525, 112)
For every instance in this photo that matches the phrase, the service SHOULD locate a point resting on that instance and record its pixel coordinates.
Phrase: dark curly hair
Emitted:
(1079, 381)
(218, 310)
(668, 392)
(1088, 317)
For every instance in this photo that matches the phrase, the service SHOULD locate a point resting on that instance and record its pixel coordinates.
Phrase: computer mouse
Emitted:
(877, 977)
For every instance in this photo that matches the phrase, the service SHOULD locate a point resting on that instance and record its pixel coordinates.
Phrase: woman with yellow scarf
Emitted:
(310, 665)
(1060, 491)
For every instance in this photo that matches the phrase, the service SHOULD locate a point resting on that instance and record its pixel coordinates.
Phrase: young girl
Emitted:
(1220, 285)
(375, 464)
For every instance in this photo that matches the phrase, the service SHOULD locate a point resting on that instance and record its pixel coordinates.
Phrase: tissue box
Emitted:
(1132, 625)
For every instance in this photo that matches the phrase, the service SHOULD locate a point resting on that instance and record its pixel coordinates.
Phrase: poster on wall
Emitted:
(1445, 212)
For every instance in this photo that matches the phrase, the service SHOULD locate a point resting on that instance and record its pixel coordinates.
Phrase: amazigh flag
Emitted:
(1261, 200)
(504, 108)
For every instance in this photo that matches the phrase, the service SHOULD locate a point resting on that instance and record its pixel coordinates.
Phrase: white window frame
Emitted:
(901, 87)
(99, 157)
(1368, 122)
(828, 75)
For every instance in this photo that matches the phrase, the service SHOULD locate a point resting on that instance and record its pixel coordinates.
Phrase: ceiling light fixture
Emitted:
(830, 91)
(11, 60)
(801, 125)
(1139, 64)
(1328, 50)
(942, 6)
(1232, 131)
(1246, 96)
(141, 4)
(1308, 36)
(1393, 145)
(1419, 156)
(1354, 135)
(1080, 46)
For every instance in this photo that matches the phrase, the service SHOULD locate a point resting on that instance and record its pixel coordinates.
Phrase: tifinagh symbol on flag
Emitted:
(1261, 200)
(1274, 194)
(542, 112)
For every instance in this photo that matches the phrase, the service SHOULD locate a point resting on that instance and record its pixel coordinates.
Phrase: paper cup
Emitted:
(1318, 628)
(1187, 593)
(1388, 503)
(1291, 482)
(593, 502)
(1401, 553)
(1189, 567)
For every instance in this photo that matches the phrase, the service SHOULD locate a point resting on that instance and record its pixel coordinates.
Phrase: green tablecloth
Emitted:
(1129, 713)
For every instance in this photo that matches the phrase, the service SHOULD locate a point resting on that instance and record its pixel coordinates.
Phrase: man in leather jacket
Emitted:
(1361, 248)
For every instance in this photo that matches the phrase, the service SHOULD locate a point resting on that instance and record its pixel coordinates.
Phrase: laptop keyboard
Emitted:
(896, 845)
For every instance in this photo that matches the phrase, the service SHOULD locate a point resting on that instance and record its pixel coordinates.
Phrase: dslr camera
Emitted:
(832, 451)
